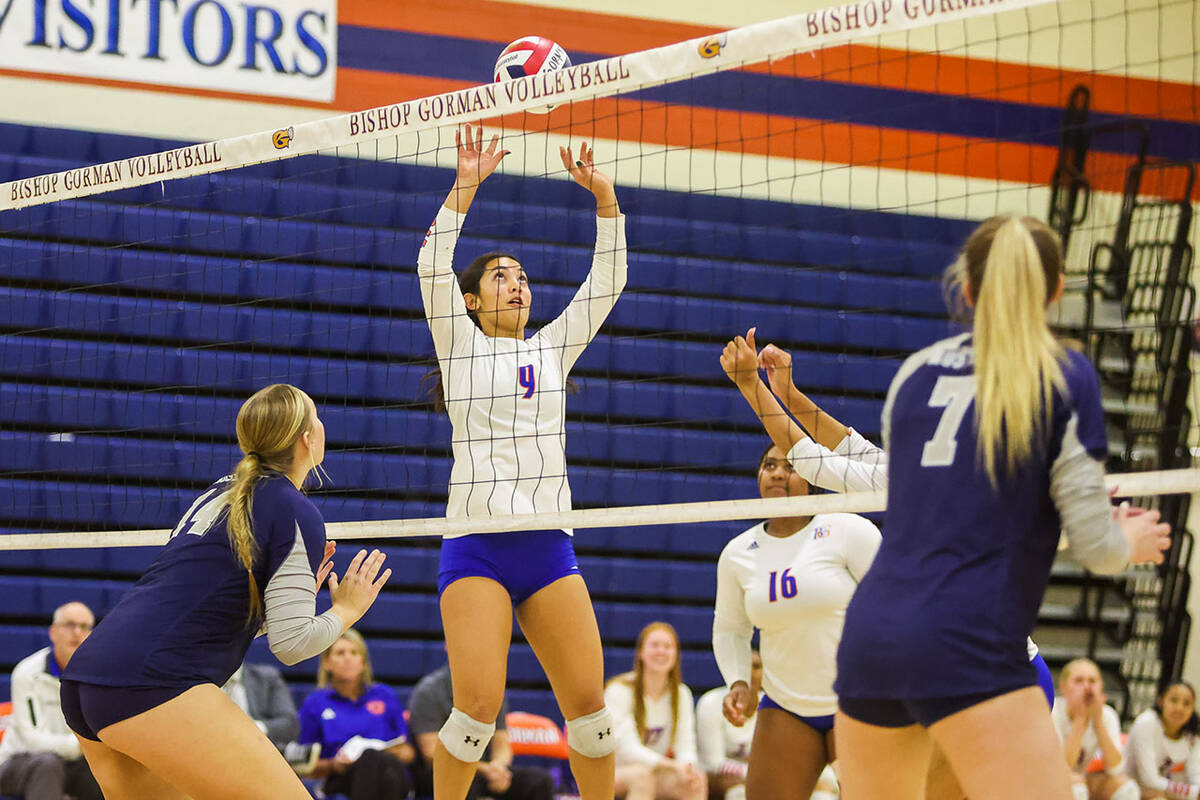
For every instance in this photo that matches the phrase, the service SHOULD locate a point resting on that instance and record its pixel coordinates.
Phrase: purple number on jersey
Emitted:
(526, 380)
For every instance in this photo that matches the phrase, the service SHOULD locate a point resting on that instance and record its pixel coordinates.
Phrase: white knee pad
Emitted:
(1127, 791)
(1079, 791)
(592, 736)
(466, 738)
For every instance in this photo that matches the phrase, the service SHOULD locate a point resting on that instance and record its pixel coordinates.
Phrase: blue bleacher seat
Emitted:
(158, 308)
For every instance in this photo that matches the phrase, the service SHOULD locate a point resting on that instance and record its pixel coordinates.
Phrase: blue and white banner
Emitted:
(283, 48)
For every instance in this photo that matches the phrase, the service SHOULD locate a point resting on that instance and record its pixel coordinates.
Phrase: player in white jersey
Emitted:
(655, 724)
(1162, 752)
(791, 578)
(505, 396)
(724, 748)
(1090, 730)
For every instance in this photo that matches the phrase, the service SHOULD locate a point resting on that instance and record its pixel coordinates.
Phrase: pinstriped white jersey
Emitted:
(506, 398)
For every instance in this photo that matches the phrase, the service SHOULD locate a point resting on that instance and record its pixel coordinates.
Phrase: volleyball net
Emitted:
(811, 176)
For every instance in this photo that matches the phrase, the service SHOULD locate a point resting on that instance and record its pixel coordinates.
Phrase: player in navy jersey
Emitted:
(143, 693)
(995, 441)
(505, 396)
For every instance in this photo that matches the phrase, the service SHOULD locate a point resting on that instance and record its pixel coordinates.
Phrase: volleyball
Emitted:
(530, 55)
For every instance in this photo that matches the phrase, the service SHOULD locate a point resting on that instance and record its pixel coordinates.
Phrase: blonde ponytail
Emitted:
(1013, 267)
(268, 426)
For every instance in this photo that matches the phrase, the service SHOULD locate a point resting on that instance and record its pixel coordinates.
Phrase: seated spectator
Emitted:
(1162, 752)
(654, 722)
(359, 725)
(1090, 729)
(723, 748)
(260, 691)
(496, 777)
(39, 755)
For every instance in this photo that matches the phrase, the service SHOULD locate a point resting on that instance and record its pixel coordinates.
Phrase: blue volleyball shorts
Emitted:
(523, 562)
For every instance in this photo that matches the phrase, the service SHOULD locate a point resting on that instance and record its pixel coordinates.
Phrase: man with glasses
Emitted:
(39, 756)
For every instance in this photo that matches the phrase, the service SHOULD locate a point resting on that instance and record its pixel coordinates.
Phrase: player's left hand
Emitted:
(583, 171)
(778, 365)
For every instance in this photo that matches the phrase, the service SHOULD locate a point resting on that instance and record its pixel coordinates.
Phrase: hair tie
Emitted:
(255, 454)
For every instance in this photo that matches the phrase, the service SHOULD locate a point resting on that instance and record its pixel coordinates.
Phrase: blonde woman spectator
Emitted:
(654, 722)
(1089, 728)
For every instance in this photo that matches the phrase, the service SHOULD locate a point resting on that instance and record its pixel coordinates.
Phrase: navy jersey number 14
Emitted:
(526, 380)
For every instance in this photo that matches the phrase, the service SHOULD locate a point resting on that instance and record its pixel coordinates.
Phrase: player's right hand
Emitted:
(359, 586)
(475, 162)
(1148, 537)
(739, 359)
(739, 705)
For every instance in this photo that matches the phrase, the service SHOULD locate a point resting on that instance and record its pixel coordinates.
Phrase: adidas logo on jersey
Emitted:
(753, 546)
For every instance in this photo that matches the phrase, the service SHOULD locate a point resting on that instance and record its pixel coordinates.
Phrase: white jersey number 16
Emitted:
(953, 393)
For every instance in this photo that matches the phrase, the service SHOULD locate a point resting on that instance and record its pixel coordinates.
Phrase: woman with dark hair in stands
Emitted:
(143, 693)
(996, 443)
(791, 578)
(359, 724)
(505, 396)
(1162, 752)
(654, 720)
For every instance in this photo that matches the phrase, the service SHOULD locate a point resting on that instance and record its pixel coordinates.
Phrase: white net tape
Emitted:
(1133, 484)
(739, 47)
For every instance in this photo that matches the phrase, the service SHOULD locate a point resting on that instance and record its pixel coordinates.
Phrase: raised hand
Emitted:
(583, 171)
(740, 360)
(474, 162)
(1148, 538)
(778, 365)
(326, 563)
(359, 586)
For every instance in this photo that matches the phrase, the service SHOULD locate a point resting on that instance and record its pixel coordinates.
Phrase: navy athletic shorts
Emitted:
(89, 708)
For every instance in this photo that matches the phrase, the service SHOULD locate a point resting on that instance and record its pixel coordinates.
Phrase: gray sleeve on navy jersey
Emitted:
(1077, 488)
(293, 631)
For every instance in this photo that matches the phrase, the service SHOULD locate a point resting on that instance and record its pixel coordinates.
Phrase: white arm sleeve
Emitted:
(1077, 488)
(836, 471)
(732, 629)
(861, 543)
(685, 737)
(573, 330)
(710, 730)
(618, 697)
(28, 720)
(445, 310)
(293, 632)
(1140, 745)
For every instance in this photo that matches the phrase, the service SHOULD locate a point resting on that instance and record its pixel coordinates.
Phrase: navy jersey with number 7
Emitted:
(955, 588)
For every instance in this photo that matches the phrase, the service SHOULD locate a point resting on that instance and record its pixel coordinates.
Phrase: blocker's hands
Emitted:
(740, 360)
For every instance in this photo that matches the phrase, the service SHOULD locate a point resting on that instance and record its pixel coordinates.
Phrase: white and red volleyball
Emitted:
(530, 55)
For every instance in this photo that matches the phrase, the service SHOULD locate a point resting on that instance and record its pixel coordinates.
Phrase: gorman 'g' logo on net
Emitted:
(282, 138)
(711, 47)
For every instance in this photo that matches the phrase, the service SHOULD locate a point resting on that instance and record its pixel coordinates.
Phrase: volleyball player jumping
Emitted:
(505, 396)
